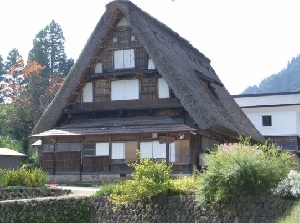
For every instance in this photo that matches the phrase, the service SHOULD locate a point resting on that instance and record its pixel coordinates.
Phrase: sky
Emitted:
(246, 40)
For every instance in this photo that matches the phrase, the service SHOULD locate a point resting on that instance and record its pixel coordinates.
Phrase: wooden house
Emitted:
(137, 85)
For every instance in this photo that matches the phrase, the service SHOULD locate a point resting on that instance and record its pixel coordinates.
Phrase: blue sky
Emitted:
(246, 40)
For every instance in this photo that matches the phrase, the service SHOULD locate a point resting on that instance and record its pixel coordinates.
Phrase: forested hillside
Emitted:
(287, 80)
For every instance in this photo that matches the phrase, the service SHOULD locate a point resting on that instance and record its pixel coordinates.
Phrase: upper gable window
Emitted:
(87, 94)
(123, 22)
(150, 64)
(125, 89)
(163, 88)
(124, 59)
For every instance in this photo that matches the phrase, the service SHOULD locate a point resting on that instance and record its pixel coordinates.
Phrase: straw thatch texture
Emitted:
(185, 69)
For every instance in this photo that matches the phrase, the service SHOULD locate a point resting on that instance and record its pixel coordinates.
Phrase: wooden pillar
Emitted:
(168, 153)
(54, 158)
(81, 158)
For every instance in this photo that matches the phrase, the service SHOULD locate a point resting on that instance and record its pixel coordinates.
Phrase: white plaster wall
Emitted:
(285, 120)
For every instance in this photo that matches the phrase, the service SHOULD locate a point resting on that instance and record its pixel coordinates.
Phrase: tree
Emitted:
(11, 60)
(1, 77)
(49, 52)
(1, 68)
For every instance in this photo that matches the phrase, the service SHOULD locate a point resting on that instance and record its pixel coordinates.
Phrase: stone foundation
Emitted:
(157, 210)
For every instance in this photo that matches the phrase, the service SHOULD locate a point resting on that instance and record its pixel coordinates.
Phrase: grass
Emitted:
(21, 177)
(292, 216)
(106, 190)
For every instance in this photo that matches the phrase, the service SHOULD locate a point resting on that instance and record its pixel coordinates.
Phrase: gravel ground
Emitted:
(80, 191)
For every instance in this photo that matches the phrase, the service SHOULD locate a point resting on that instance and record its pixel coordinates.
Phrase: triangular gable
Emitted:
(185, 69)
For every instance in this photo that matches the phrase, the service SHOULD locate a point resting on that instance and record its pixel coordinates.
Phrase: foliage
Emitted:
(21, 177)
(243, 169)
(150, 178)
(290, 186)
(32, 161)
(287, 80)
(7, 142)
(106, 190)
(184, 186)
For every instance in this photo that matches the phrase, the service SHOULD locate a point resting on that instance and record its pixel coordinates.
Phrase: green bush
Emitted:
(150, 178)
(21, 177)
(243, 169)
(106, 190)
(183, 186)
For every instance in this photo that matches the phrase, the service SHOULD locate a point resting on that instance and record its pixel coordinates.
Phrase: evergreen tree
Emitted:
(49, 52)
(1, 77)
(1, 68)
(11, 60)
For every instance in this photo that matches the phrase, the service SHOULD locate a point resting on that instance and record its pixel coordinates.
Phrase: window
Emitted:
(98, 68)
(163, 89)
(125, 89)
(89, 149)
(266, 120)
(88, 93)
(124, 59)
(96, 149)
(118, 151)
(153, 150)
(102, 149)
(179, 151)
(60, 147)
(151, 64)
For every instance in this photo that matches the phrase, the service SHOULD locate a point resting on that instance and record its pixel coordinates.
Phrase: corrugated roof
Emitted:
(10, 152)
(268, 100)
(160, 124)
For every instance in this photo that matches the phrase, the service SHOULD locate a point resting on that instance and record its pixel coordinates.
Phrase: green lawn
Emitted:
(293, 216)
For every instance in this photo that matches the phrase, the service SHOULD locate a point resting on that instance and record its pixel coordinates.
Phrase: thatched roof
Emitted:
(185, 69)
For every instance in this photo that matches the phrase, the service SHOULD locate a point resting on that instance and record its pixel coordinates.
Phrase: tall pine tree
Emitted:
(48, 51)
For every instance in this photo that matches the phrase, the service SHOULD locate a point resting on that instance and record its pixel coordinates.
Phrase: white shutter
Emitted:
(117, 90)
(118, 151)
(163, 89)
(151, 64)
(118, 59)
(129, 58)
(131, 89)
(159, 150)
(172, 152)
(98, 68)
(88, 92)
(102, 149)
(146, 150)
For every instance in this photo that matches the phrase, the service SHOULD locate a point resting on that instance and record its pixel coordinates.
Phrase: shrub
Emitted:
(21, 177)
(243, 169)
(183, 186)
(106, 190)
(150, 178)
(290, 186)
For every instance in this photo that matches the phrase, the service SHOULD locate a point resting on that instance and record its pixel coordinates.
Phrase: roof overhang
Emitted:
(161, 124)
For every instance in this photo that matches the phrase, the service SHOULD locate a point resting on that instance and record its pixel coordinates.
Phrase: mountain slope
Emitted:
(287, 80)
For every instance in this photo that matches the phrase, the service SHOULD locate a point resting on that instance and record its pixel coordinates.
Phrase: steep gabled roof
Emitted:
(185, 69)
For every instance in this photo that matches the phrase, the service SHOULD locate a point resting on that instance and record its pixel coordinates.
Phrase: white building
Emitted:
(275, 115)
